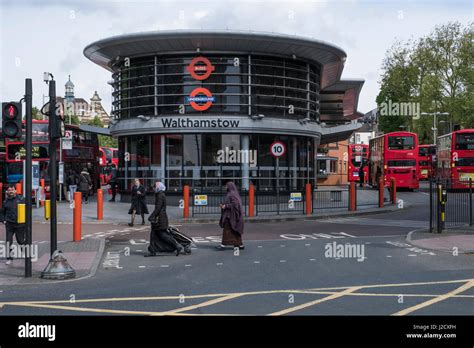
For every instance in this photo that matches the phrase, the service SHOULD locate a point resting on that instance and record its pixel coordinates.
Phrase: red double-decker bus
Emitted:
(426, 160)
(84, 154)
(358, 153)
(394, 155)
(455, 156)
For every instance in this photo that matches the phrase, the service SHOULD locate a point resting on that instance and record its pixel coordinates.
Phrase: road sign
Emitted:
(61, 172)
(296, 196)
(277, 149)
(67, 140)
(200, 199)
(35, 168)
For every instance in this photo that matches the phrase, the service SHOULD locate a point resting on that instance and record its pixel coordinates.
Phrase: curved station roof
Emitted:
(338, 104)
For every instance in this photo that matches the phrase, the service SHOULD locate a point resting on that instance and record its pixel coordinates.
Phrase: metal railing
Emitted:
(451, 204)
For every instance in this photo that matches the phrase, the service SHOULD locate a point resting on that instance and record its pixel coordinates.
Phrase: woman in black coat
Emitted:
(160, 239)
(138, 202)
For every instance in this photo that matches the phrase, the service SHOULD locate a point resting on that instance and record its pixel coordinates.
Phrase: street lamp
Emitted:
(435, 127)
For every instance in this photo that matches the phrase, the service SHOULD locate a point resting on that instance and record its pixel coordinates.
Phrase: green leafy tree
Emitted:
(436, 73)
(104, 140)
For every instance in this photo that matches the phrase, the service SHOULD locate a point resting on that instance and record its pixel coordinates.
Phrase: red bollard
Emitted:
(251, 200)
(352, 196)
(43, 192)
(381, 193)
(100, 204)
(309, 200)
(186, 201)
(77, 220)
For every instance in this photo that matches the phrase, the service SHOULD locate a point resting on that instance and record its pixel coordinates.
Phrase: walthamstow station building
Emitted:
(200, 108)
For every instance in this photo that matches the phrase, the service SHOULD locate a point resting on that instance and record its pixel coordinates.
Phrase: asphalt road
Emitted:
(286, 269)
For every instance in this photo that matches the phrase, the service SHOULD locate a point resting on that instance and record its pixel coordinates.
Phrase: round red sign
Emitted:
(208, 99)
(206, 69)
(277, 149)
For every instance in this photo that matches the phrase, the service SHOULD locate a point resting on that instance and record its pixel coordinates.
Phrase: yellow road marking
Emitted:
(437, 299)
(204, 304)
(312, 303)
(347, 291)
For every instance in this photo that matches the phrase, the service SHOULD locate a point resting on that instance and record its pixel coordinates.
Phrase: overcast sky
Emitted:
(38, 36)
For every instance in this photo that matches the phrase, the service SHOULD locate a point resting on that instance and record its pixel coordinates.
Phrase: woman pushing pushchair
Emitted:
(163, 238)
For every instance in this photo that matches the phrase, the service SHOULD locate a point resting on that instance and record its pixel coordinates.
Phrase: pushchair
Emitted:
(159, 245)
(181, 238)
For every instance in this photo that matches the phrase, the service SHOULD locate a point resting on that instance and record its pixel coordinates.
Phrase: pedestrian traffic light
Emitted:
(11, 119)
(57, 122)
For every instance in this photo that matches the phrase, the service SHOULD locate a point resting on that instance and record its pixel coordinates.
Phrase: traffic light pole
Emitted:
(28, 174)
(53, 166)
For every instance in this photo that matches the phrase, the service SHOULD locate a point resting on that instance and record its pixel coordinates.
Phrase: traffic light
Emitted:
(11, 119)
(57, 122)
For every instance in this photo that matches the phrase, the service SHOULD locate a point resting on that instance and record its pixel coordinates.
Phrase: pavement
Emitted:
(459, 240)
(84, 257)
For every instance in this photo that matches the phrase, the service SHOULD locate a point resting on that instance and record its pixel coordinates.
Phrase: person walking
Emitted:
(232, 219)
(113, 182)
(160, 239)
(138, 202)
(71, 181)
(85, 185)
(9, 216)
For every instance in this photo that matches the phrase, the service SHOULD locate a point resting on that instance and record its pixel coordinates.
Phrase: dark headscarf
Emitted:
(233, 209)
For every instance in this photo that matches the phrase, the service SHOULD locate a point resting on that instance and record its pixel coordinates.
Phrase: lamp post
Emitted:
(435, 126)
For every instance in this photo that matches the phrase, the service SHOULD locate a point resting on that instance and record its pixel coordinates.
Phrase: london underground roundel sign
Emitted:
(277, 149)
(200, 68)
(200, 99)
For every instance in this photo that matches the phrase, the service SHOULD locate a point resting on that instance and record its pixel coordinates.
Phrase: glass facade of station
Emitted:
(241, 85)
(192, 159)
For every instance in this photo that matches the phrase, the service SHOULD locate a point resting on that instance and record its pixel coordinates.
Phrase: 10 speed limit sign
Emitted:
(277, 149)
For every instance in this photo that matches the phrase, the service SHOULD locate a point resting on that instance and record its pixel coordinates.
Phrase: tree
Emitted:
(104, 140)
(435, 72)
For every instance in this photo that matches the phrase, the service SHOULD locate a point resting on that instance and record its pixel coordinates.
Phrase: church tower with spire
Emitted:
(69, 86)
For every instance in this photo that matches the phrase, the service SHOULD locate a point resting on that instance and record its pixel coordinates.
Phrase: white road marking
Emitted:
(256, 262)
(412, 255)
(282, 261)
(164, 266)
(219, 264)
(307, 244)
(141, 266)
(389, 255)
(187, 265)
(312, 259)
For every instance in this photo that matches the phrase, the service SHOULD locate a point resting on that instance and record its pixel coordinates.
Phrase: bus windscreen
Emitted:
(401, 143)
(465, 141)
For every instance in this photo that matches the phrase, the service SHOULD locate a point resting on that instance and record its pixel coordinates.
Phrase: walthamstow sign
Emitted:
(198, 123)
(200, 98)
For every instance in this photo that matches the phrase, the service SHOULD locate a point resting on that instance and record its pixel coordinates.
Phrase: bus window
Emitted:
(465, 141)
(400, 143)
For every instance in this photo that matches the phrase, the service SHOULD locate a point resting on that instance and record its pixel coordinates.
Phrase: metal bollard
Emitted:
(77, 219)
(251, 200)
(381, 192)
(100, 204)
(309, 200)
(47, 209)
(186, 201)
